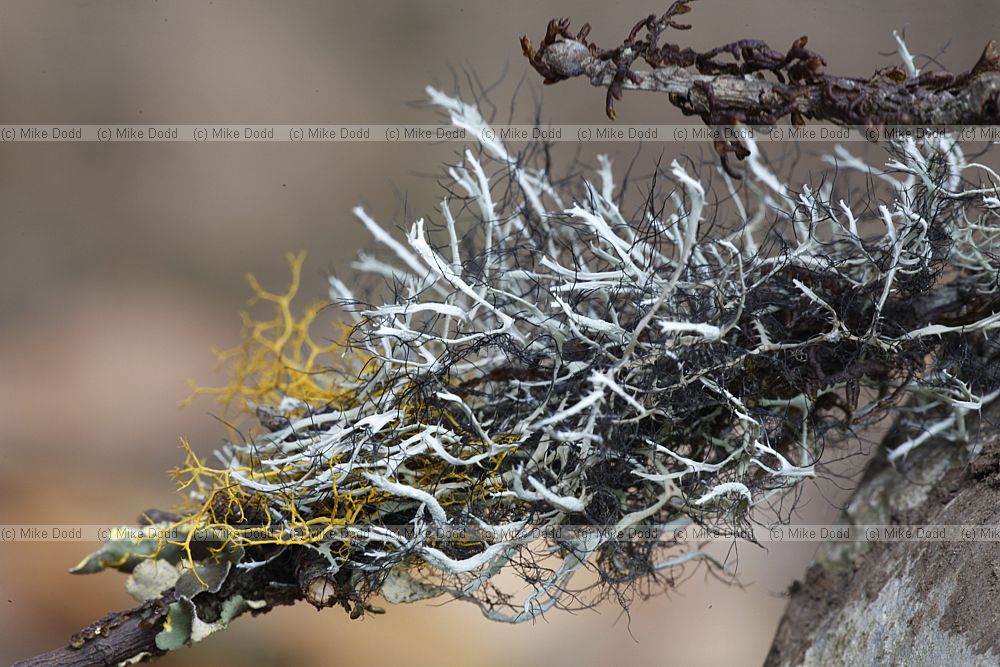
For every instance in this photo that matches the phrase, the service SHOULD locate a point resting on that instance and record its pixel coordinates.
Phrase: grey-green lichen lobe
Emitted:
(150, 578)
(184, 627)
(127, 546)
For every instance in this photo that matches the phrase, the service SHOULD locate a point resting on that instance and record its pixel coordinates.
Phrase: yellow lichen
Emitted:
(280, 357)
(280, 363)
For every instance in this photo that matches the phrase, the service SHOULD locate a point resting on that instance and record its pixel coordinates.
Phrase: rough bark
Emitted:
(747, 82)
(117, 637)
(906, 603)
(967, 104)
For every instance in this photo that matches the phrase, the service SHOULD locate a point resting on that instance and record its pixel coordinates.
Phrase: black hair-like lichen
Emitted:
(546, 377)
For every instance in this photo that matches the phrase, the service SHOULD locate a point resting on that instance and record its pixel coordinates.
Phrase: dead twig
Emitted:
(748, 82)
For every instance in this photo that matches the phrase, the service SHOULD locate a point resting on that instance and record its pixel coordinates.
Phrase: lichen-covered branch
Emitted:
(748, 82)
(540, 373)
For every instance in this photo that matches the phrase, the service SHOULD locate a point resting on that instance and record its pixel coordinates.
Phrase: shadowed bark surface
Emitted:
(907, 602)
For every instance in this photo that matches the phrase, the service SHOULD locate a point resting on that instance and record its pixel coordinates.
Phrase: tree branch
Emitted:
(729, 84)
(115, 638)
(131, 635)
(836, 99)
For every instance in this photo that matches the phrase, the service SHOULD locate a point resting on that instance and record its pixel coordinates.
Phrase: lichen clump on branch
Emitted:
(546, 373)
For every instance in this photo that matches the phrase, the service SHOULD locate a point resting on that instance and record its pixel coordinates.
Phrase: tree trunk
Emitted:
(907, 602)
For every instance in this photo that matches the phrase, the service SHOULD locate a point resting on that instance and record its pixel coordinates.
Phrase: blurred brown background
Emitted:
(121, 265)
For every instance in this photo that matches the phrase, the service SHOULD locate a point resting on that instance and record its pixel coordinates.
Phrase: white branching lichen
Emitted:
(545, 361)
